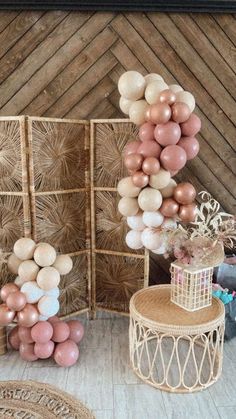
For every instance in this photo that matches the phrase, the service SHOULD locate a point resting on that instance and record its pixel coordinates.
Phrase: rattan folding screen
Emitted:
(58, 185)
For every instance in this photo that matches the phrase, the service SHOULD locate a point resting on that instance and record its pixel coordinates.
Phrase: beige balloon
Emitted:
(18, 281)
(28, 270)
(24, 248)
(150, 199)
(186, 97)
(153, 91)
(125, 105)
(63, 264)
(175, 88)
(126, 188)
(137, 112)
(13, 263)
(45, 254)
(128, 206)
(153, 77)
(168, 191)
(160, 180)
(48, 278)
(131, 85)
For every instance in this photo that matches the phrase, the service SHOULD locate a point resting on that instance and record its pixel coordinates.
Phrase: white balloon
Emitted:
(45, 254)
(133, 239)
(125, 104)
(153, 91)
(48, 278)
(152, 219)
(131, 85)
(163, 246)
(13, 263)
(168, 191)
(150, 238)
(28, 270)
(175, 88)
(18, 281)
(48, 306)
(153, 77)
(24, 248)
(32, 292)
(63, 264)
(135, 222)
(54, 292)
(137, 112)
(186, 97)
(169, 224)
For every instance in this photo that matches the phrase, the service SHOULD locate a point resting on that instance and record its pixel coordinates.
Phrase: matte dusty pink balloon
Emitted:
(190, 146)
(169, 207)
(13, 338)
(42, 332)
(25, 334)
(167, 96)
(192, 126)
(7, 289)
(66, 353)
(28, 316)
(185, 193)
(54, 319)
(131, 147)
(44, 350)
(146, 132)
(187, 213)
(151, 166)
(133, 161)
(150, 149)
(6, 315)
(173, 157)
(16, 300)
(167, 134)
(27, 352)
(76, 330)
(61, 332)
(140, 179)
(180, 112)
(160, 113)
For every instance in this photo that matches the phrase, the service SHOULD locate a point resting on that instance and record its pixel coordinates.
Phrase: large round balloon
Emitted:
(63, 264)
(133, 239)
(180, 112)
(42, 332)
(149, 78)
(13, 338)
(66, 353)
(167, 134)
(153, 90)
(48, 278)
(127, 189)
(150, 149)
(131, 147)
(128, 206)
(6, 315)
(16, 301)
(192, 126)
(167, 96)
(153, 219)
(8, 289)
(76, 330)
(61, 332)
(45, 254)
(146, 131)
(133, 161)
(187, 213)
(190, 146)
(13, 263)
(159, 113)
(24, 248)
(28, 316)
(173, 157)
(150, 199)
(27, 352)
(140, 179)
(44, 350)
(135, 222)
(28, 270)
(125, 104)
(32, 292)
(168, 191)
(25, 334)
(151, 166)
(131, 85)
(186, 97)
(169, 207)
(137, 112)
(151, 238)
(185, 193)
(160, 180)
(48, 306)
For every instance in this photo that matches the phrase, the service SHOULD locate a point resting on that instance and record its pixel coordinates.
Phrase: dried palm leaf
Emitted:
(10, 156)
(11, 221)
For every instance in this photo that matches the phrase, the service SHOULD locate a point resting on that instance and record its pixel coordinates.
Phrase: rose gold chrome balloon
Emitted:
(133, 161)
(167, 96)
(7, 289)
(151, 166)
(6, 315)
(140, 179)
(185, 193)
(169, 207)
(187, 213)
(16, 301)
(180, 112)
(160, 113)
(28, 316)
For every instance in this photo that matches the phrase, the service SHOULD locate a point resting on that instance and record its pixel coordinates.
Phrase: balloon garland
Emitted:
(32, 302)
(150, 198)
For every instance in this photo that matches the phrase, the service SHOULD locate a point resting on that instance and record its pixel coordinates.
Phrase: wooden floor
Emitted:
(104, 381)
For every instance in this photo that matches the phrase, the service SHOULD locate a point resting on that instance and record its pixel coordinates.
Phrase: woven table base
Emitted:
(33, 400)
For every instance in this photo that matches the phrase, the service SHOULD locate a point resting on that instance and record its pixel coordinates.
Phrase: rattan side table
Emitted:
(173, 349)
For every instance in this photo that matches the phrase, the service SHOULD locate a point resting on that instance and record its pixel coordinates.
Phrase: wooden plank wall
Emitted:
(66, 64)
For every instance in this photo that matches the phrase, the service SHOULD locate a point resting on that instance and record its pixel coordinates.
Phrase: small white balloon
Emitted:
(126, 188)
(128, 206)
(125, 105)
(153, 77)
(162, 249)
(48, 306)
(45, 254)
(150, 199)
(13, 263)
(131, 85)
(153, 219)
(133, 239)
(153, 91)
(24, 248)
(168, 191)
(43, 318)
(137, 112)
(175, 88)
(32, 292)
(54, 292)
(63, 264)
(186, 97)
(169, 224)
(18, 281)
(48, 278)
(135, 222)
(28, 270)
(150, 238)
(160, 180)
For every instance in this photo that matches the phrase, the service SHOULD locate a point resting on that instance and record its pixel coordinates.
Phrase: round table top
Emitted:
(153, 307)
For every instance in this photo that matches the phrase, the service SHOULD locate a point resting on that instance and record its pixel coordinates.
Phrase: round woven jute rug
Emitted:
(33, 400)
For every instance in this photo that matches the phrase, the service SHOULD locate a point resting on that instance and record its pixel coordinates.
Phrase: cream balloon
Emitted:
(28, 270)
(135, 222)
(160, 180)
(169, 224)
(63, 264)
(137, 112)
(186, 97)
(128, 206)
(175, 88)
(153, 91)
(18, 281)
(125, 105)
(168, 191)
(32, 292)
(133, 239)
(153, 77)
(13, 263)
(131, 85)
(151, 238)
(48, 278)
(45, 254)
(48, 306)
(150, 199)
(126, 188)
(152, 219)
(24, 248)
